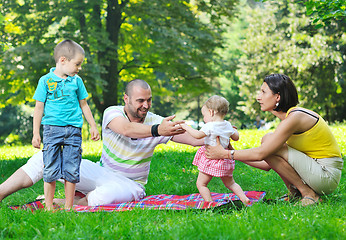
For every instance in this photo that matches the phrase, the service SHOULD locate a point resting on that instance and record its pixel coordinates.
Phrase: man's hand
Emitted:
(169, 128)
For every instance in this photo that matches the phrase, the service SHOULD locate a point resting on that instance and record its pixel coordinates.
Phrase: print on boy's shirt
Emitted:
(51, 84)
(55, 90)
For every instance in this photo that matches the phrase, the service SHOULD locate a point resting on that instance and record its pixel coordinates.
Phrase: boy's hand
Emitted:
(94, 133)
(36, 141)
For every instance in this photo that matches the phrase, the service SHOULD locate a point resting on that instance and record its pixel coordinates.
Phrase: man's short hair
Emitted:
(68, 49)
(136, 82)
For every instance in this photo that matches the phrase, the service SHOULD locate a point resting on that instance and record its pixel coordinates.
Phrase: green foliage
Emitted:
(323, 12)
(168, 43)
(326, 11)
(229, 82)
(186, 50)
(172, 173)
(280, 39)
(17, 121)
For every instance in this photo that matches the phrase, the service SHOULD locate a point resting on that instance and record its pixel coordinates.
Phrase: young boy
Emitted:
(60, 99)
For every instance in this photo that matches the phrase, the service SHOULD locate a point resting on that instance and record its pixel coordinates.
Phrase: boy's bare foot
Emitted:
(247, 202)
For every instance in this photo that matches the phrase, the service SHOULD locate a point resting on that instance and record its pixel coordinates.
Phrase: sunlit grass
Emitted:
(172, 172)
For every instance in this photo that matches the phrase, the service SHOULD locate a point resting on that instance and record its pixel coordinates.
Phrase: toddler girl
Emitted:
(214, 111)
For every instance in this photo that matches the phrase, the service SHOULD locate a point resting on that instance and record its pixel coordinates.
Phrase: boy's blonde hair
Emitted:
(68, 49)
(218, 104)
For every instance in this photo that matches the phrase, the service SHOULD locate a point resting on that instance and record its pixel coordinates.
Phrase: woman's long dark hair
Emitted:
(283, 85)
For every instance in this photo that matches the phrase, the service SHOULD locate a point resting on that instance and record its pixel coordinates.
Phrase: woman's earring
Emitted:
(277, 104)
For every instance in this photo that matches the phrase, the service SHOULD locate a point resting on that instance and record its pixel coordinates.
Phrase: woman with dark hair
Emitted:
(302, 149)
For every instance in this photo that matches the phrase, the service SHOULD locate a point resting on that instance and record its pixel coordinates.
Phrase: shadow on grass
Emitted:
(91, 157)
(232, 206)
(227, 208)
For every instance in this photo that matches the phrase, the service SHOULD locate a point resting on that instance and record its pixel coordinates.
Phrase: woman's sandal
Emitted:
(308, 201)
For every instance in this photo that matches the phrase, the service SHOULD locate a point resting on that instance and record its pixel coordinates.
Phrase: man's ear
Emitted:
(126, 98)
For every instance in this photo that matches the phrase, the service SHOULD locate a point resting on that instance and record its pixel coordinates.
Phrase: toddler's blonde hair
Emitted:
(218, 104)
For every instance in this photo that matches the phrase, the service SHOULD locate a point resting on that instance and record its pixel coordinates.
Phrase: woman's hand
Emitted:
(216, 152)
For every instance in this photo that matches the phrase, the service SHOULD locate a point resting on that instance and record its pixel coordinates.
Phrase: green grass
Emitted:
(172, 172)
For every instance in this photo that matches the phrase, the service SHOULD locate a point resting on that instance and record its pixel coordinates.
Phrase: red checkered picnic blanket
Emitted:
(158, 202)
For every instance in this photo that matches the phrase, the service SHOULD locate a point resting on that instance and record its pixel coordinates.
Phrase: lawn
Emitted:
(173, 173)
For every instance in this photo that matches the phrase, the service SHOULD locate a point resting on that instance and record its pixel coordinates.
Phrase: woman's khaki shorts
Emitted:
(322, 175)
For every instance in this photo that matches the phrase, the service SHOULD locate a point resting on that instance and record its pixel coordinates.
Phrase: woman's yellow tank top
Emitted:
(317, 142)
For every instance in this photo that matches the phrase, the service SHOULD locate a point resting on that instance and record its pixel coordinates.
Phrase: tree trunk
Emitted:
(113, 24)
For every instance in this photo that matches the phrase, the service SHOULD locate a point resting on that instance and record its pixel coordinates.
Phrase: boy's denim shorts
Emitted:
(62, 153)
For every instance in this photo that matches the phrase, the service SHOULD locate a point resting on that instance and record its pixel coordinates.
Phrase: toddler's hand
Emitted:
(94, 133)
(184, 126)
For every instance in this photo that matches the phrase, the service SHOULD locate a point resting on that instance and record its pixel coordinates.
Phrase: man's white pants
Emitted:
(101, 185)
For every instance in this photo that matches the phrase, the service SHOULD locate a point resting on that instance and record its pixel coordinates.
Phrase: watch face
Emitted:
(232, 154)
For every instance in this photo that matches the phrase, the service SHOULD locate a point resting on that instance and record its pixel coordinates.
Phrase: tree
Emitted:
(166, 42)
(15, 120)
(324, 11)
(280, 39)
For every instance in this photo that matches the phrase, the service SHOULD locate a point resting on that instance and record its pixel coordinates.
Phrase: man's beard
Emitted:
(137, 114)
